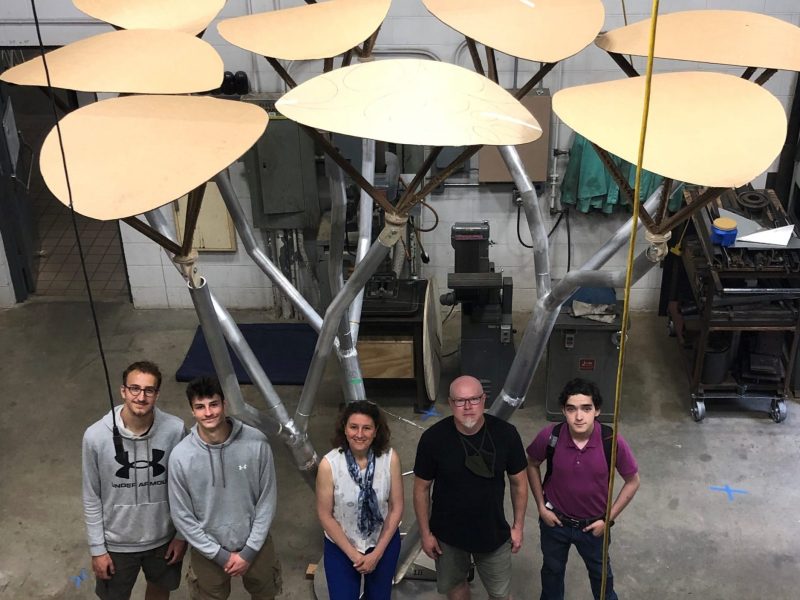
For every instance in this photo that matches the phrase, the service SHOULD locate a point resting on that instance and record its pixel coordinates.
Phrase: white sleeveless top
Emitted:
(345, 496)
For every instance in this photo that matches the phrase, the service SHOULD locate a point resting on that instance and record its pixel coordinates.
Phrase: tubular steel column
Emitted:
(533, 214)
(352, 381)
(296, 441)
(364, 227)
(257, 254)
(544, 317)
(338, 307)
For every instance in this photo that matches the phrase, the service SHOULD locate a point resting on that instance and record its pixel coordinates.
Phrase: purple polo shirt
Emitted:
(578, 486)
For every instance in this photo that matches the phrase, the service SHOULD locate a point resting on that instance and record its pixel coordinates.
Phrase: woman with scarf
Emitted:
(359, 504)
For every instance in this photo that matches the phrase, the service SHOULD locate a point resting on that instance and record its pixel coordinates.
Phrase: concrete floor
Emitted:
(678, 539)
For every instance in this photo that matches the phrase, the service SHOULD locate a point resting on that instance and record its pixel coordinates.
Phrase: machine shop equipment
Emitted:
(487, 335)
(580, 347)
(735, 310)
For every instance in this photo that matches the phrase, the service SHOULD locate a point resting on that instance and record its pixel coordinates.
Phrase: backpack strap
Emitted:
(606, 432)
(551, 450)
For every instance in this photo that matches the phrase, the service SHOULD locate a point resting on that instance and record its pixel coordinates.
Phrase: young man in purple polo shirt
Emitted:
(572, 500)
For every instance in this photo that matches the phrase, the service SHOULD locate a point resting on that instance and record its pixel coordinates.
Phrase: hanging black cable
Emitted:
(115, 430)
(549, 235)
(555, 226)
(519, 235)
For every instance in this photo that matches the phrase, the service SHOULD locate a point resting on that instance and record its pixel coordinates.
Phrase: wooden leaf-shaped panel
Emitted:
(189, 16)
(726, 37)
(704, 128)
(132, 154)
(307, 32)
(145, 61)
(411, 102)
(539, 30)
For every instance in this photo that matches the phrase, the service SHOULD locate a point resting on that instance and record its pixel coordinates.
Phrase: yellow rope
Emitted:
(628, 280)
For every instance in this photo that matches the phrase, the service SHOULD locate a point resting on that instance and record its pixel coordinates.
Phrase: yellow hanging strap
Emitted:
(628, 280)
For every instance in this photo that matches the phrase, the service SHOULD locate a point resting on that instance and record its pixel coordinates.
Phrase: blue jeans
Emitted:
(556, 542)
(344, 582)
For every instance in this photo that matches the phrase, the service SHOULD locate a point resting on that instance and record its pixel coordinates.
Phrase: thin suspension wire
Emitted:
(628, 280)
(72, 214)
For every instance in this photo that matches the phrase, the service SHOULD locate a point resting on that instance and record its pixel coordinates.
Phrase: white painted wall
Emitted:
(7, 297)
(232, 276)
(408, 30)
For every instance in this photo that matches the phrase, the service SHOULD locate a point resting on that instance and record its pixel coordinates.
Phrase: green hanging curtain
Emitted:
(588, 186)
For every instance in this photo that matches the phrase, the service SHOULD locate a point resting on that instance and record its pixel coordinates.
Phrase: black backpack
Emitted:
(606, 432)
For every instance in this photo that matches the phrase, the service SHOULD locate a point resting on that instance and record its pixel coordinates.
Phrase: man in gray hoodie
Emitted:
(222, 494)
(125, 498)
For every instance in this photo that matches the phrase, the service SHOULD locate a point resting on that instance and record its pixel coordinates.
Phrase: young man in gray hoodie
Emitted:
(125, 498)
(222, 494)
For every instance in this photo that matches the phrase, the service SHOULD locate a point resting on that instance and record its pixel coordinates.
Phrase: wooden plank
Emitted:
(386, 358)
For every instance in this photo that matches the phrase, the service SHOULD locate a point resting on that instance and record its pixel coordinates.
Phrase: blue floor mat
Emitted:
(283, 349)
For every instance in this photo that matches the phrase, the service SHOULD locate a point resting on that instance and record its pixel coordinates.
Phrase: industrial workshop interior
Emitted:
(326, 202)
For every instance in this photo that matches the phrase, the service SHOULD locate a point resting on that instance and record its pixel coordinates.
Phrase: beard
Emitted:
(470, 422)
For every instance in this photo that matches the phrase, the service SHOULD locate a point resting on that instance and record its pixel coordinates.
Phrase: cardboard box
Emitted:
(535, 155)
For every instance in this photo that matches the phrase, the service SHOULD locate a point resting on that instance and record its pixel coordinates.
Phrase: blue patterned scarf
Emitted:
(369, 515)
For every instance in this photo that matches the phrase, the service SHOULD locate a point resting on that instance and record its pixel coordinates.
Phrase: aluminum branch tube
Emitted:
(543, 319)
(257, 254)
(620, 236)
(364, 227)
(296, 441)
(337, 308)
(540, 326)
(533, 214)
(212, 331)
(352, 381)
(409, 549)
(235, 338)
(578, 279)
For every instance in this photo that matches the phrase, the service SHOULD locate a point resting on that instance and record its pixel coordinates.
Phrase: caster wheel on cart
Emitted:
(698, 410)
(778, 411)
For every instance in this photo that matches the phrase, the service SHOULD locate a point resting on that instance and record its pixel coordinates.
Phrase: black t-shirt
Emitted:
(467, 509)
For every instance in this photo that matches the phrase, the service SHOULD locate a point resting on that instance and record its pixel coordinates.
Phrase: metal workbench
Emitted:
(736, 311)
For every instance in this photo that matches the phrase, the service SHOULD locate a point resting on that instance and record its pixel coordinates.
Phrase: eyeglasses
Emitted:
(135, 390)
(460, 402)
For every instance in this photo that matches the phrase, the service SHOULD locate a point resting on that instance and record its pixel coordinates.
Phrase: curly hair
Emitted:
(581, 386)
(362, 407)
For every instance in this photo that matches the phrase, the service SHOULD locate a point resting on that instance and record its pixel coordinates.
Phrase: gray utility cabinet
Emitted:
(583, 348)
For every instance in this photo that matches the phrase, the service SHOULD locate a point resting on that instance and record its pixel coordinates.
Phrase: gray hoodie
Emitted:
(126, 504)
(223, 496)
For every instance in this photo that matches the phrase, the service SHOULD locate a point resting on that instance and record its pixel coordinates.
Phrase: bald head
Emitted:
(465, 386)
(467, 403)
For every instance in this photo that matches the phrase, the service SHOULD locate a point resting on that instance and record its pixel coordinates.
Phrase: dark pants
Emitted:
(344, 582)
(556, 542)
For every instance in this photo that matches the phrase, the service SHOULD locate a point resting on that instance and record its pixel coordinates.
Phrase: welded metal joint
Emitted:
(186, 265)
(393, 229)
(658, 245)
(506, 398)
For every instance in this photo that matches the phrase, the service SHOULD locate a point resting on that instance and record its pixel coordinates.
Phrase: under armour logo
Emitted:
(242, 467)
(124, 472)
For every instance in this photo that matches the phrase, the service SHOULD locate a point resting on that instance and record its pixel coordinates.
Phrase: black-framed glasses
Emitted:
(460, 402)
(135, 390)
